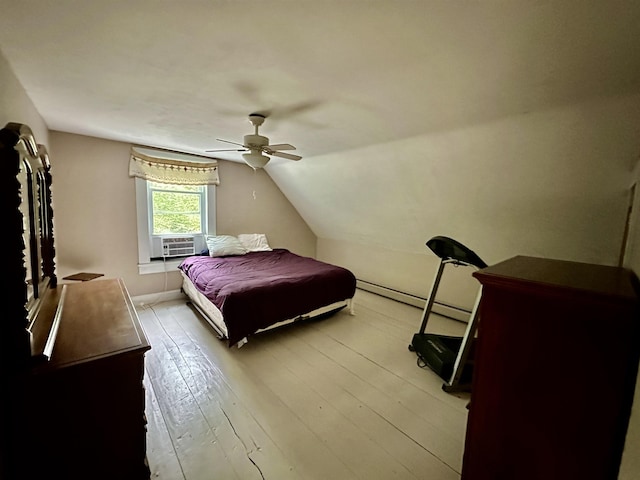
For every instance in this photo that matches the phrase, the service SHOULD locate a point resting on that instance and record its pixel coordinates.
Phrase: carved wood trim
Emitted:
(17, 143)
(15, 349)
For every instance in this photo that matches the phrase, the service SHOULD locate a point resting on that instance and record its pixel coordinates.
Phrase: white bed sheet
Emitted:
(210, 312)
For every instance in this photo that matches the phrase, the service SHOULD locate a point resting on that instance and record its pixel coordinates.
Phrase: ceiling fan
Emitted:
(256, 146)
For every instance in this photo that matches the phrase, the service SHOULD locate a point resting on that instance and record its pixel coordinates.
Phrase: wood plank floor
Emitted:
(339, 398)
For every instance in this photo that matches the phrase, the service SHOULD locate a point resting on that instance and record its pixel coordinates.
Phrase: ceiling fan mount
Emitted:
(256, 147)
(256, 119)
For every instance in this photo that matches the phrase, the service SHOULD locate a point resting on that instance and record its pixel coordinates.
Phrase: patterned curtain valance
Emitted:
(171, 168)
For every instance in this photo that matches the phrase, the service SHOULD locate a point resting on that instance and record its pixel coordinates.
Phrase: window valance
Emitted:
(175, 168)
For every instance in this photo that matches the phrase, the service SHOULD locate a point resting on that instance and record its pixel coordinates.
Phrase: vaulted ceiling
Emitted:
(336, 74)
(359, 79)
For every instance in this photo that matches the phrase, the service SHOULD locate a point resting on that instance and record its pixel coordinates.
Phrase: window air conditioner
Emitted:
(178, 246)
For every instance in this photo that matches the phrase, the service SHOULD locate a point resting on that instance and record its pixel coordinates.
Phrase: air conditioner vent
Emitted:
(178, 246)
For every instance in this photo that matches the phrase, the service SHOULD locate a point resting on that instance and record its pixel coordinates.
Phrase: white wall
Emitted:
(95, 211)
(550, 184)
(630, 467)
(16, 106)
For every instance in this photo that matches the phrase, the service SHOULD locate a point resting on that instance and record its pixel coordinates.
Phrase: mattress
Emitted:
(260, 289)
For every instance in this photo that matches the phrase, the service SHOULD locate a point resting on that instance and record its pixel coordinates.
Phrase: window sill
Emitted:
(159, 266)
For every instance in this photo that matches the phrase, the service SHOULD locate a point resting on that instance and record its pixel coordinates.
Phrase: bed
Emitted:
(245, 292)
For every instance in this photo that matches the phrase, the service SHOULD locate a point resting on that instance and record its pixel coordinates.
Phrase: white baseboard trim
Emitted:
(152, 298)
(450, 311)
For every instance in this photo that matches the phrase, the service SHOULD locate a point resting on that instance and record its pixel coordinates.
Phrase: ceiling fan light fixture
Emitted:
(255, 159)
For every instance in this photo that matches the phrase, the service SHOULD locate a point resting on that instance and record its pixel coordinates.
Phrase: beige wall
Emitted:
(411, 273)
(16, 106)
(95, 214)
(249, 202)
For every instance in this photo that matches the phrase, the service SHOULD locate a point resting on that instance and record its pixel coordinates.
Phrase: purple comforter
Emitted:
(256, 290)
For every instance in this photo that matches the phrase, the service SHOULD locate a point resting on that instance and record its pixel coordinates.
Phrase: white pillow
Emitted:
(254, 242)
(222, 245)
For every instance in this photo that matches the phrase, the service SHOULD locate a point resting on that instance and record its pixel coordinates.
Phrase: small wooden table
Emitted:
(83, 276)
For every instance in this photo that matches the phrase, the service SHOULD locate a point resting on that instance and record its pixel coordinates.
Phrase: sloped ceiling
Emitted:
(181, 74)
(338, 77)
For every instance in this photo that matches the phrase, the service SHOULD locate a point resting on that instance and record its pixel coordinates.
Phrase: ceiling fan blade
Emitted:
(228, 150)
(294, 109)
(249, 91)
(281, 146)
(227, 141)
(253, 93)
(285, 155)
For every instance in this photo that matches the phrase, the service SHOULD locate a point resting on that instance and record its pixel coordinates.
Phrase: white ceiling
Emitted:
(337, 74)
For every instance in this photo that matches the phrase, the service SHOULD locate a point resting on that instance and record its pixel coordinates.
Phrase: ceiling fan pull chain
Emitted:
(255, 172)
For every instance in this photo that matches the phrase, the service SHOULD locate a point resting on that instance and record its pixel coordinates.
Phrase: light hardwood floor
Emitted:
(339, 398)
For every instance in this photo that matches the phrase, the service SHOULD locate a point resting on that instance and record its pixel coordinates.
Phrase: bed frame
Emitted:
(214, 317)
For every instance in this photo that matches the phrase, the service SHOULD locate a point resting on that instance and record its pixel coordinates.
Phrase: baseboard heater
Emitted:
(440, 308)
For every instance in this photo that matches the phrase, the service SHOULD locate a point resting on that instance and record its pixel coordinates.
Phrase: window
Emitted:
(176, 209)
(175, 205)
(165, 211)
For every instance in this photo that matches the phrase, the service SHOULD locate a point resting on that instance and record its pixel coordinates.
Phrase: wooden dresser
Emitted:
(71, 356)
(86, 404)
(556, 364)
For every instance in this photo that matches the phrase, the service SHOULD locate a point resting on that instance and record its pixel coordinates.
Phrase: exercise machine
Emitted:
(449, 356)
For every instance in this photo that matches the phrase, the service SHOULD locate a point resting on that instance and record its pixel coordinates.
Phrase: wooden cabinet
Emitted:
(556, 364)
(85, 415)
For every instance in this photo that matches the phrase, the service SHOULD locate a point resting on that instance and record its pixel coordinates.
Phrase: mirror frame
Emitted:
(21, 334)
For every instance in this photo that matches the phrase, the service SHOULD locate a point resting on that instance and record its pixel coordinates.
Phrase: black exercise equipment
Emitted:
(450, 357)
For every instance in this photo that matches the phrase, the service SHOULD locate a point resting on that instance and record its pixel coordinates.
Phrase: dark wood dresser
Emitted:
(556, 364)
(71, 356)
(86, 403)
